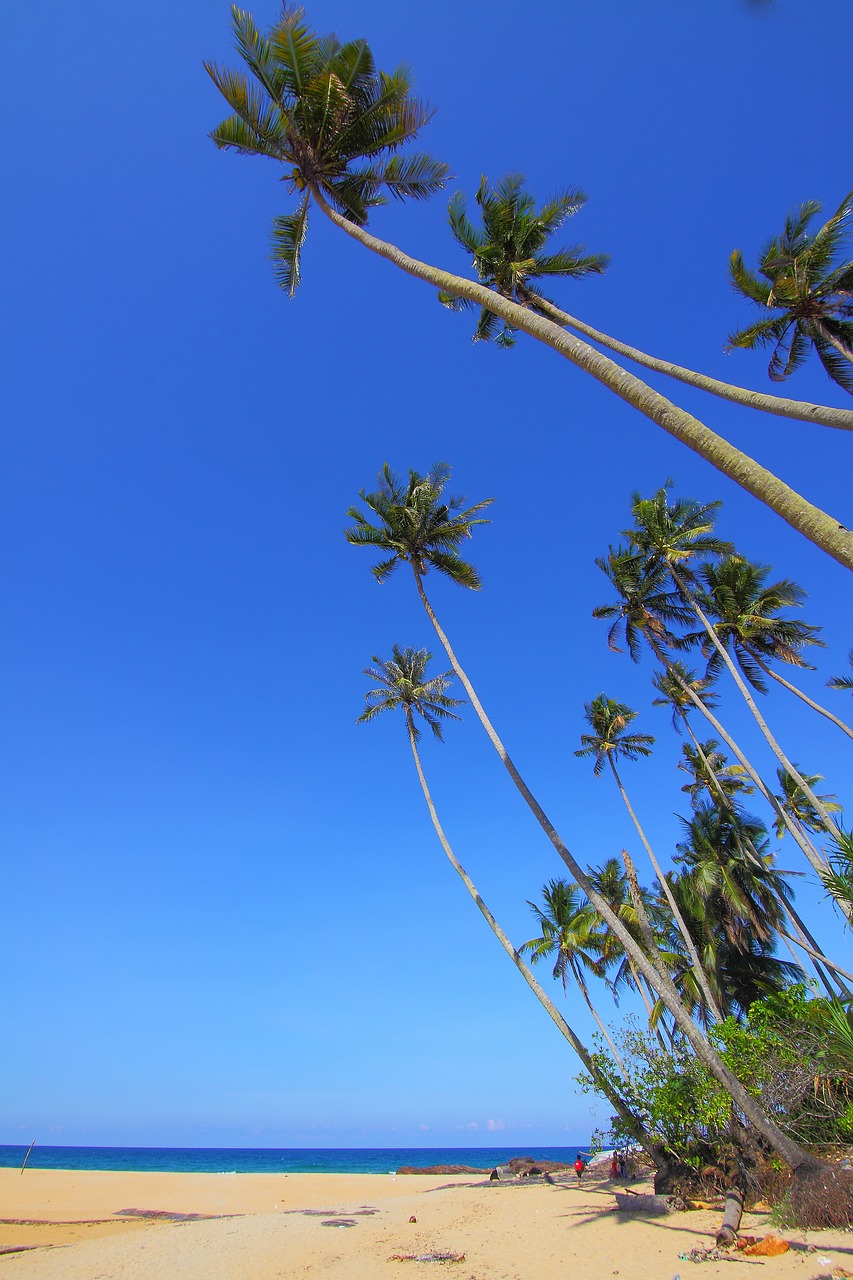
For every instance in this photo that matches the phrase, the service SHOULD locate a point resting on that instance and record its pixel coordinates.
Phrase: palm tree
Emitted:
(571, 936)
(323, 111)
(639, 613)
(636, 612)
(610, 741)
(508, 256)
(400, 684)
(842, 683)
(797, 804)
(388, 535)
(507, 252)
(710, 771)
(746, 612)
(672, 535)
(802, 278)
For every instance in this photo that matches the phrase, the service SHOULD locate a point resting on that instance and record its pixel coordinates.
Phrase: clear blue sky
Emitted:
(225, 916)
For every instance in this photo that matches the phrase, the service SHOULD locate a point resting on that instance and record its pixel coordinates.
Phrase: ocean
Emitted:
(269, 1159)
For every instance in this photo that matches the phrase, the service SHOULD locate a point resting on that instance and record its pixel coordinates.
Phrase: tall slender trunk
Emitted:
(789, 768)
(749, 853)
(824, 415)
(584, 990)
(631, 1122)
(792, 688)
(782, 1144)
(816, 525)
(818, 863)
(701, 976)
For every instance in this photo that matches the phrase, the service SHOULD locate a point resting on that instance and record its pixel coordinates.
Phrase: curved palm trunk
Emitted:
(799, 1159)
(749, 853)
(823, 415)
(818, 864)
(701, 976)
(582, 987)
(751, 703)
(822, 529)
(792, 688)
(631, 1122)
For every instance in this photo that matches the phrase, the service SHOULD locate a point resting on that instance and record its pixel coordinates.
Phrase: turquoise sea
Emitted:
(269, 1159)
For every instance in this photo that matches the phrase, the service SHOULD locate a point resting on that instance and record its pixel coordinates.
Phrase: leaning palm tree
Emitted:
(673, 534)
(571, 935)
(843, 683)
(508, 251)
(711, 775)
(403, 536)
(610, 741)
(797, 804)
(401, 684)
(747, 614)
(509, 255)
(323, 111)
(643, 611)
(802, 278)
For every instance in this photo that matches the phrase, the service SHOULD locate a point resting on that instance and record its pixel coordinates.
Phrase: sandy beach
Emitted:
(79, 1226)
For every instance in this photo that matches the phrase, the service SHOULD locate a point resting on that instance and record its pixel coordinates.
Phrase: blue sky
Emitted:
(225, 916)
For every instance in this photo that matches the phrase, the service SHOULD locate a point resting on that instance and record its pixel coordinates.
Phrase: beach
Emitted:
(66, 1225)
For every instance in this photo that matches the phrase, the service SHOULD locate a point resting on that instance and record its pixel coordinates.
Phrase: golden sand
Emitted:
(74, 1226)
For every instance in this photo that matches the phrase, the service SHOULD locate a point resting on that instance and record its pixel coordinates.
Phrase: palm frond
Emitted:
(288, 237)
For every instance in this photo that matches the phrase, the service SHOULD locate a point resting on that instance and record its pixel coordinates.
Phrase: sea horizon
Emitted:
(283, 1160)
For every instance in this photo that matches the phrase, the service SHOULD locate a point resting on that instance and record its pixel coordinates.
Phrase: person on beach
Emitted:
(622, 1165)
(579, 1168)
(614, 1168)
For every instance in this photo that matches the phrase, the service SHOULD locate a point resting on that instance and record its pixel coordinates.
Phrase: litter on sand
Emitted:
(438, 1255)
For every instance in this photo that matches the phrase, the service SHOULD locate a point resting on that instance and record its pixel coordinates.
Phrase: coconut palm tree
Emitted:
(673, 534)
(387, 535)
(401, 684)
(797, 804)
(710, 772)
(746, 613)
(803, 279)
(508, 253)
(842, 683)
(610, 741)
(323, 111)
(571, 935)
(639, 587)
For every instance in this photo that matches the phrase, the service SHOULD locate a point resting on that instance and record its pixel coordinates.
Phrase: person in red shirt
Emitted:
(579, 1168)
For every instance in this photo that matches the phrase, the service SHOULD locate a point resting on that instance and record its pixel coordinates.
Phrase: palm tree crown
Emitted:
(508, 249)
(417, 524)
(746, 609)
(608, 741)
(324, 110)
(646, 606)
(672, 534)
(802, 279)
(401, 683)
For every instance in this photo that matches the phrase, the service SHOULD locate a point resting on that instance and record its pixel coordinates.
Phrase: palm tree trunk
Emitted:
(701, 976)
(818, 864)
(582, 987)
(749, 853)
(782, 1144)
(824, 415)
(690, 599)
(792, 688)
(632, 1124)
(811, 949)
(825, 531)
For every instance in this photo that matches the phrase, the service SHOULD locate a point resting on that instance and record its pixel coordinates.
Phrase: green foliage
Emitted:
(807, 287)
(790, 1053)
(325, 111)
